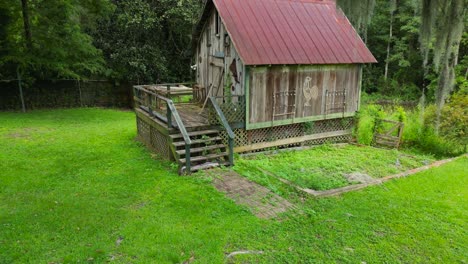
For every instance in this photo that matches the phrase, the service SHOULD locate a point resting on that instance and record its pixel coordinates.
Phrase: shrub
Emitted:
(419, 131)
(454, 119)
(367, 117)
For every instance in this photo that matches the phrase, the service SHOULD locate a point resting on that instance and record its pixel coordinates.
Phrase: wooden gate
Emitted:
(387, 133)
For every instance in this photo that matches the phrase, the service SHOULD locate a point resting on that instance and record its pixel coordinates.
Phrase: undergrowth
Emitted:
(419, 130)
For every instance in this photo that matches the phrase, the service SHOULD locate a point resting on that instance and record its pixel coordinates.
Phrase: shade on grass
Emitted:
(76, 187)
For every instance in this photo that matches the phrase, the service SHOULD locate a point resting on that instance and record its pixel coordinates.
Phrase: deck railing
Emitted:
(233, 108)
(151, 103)
(227, 127)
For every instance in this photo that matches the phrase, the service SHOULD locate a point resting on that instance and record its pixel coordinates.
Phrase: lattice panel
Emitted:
(330, 125)
(234, 112)
(143, 130)
(244, 138)
(338, 139)
(275, 133)
(160, 144)
(240, 139)
(153, 139)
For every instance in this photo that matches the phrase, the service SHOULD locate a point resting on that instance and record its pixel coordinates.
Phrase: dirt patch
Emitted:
(260, 200)
(26, 133)
(357, 177)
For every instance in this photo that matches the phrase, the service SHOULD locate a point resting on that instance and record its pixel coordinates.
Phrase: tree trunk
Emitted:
(23, 107)
(26, 23)
(388, 45)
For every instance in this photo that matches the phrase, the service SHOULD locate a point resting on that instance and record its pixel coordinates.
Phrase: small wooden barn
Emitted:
(269, 73)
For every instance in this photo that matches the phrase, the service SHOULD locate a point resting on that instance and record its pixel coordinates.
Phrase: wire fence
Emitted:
(64, 93)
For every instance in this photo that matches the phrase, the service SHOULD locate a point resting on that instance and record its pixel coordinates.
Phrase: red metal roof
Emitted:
(268, 32)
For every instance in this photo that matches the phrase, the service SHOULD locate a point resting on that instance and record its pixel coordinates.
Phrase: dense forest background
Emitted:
(148, 41)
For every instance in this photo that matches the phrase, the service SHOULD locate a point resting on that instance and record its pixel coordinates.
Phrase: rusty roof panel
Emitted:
(275, 32)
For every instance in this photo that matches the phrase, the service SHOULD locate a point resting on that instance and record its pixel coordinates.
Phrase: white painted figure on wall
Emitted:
(310, 92)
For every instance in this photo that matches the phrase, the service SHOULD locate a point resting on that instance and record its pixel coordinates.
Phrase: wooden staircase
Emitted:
(206, 150)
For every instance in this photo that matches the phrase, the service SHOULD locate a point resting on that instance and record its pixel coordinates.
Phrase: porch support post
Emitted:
(169, 116)
(187, 158)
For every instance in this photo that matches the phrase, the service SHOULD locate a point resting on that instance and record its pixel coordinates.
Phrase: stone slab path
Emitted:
(261, 201)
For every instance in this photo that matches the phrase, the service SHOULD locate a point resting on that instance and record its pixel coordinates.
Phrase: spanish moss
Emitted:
(359, 13)
(443, 23)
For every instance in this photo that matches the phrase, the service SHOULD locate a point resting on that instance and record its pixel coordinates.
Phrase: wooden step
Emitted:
(197, 141)
(207, 157)
(201, 149)
(195, 133)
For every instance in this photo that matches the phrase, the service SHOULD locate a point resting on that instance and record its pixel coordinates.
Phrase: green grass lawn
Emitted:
(324, 167)
(76, 187)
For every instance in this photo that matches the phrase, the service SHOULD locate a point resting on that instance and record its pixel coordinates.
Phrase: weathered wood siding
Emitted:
(292, 94)
(214, 56)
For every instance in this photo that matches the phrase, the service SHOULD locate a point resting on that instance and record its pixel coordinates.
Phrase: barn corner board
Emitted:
(269, 73)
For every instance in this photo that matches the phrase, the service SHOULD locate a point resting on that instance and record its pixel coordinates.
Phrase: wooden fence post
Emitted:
(20, 89)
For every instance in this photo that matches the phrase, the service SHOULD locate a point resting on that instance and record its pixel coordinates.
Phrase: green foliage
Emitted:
(359, 12)
(454, 125)
(405, 73)
(426, 42)
(60, 48)
(366, 125)
(401, 114)
(324, 167)
(147, 41)
(419, 130)
(308, 127)
(138, 41)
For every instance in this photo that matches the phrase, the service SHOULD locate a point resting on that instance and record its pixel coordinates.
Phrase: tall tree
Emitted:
(26, 23)
(58, 46)
(393, 7)
(359, 12)
(443, 23)
(442, 26)
(147, 41)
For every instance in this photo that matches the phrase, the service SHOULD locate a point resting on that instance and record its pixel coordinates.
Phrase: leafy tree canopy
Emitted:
(58, 48)
(147, 41)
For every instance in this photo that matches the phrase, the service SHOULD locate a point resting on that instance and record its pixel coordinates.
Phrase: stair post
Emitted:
(231, 151)
(226, 126)
(169, 116)
(187, 158)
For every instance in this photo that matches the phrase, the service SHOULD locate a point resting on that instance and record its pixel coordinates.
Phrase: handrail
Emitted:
(141, 88)
(166, 84)
(228, 128)
(179, 122)
(222, 97)
(172, 112)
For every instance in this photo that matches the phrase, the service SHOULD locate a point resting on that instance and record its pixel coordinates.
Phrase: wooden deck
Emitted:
(191, 116)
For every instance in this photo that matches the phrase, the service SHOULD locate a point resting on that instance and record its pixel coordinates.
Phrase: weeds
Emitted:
(418, 133)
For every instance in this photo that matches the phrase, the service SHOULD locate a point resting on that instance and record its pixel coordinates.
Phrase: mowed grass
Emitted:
(325, 167)
(76, 187)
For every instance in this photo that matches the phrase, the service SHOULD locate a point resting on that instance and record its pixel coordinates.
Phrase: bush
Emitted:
(419, 131)
(454, 119)
(367, 117)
